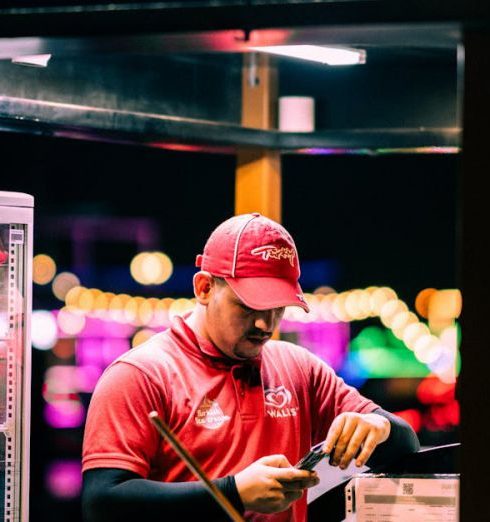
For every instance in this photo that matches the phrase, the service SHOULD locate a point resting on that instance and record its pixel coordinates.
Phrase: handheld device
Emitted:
(312, 458)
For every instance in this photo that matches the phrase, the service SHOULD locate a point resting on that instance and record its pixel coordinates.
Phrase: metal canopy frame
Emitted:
(155, 130)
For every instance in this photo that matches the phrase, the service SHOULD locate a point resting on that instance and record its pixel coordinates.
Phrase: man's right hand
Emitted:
(271, 484)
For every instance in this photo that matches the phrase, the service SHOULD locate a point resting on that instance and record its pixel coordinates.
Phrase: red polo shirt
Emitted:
(226, 412)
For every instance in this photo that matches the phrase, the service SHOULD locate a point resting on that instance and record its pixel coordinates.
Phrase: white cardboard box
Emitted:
(402, 498)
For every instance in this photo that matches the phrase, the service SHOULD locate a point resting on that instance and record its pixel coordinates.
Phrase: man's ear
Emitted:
(203, 285)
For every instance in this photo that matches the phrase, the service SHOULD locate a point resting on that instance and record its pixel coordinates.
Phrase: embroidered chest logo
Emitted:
(278, 402)
(209, 415)
(271, 252)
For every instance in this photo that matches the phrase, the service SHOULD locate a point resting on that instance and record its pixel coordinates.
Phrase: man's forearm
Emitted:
(402, 441)
(115, 495)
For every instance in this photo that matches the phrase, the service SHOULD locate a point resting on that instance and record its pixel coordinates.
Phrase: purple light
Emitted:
(100, 328)
(64, 478)
(100, 352)
(88, 352)
(86, 378)
(113, 348)
(329, 341)
(334, 151)
(64, 414)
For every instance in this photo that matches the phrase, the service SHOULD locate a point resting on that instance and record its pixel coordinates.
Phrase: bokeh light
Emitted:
(379, 297)
(422, 301)
(64, 478)
(142, 336)
(151, 268)
(63, 283)
(390, 309)
(444, 307)
(65, 413)
(43, 269)
(69, 322)
(44, 332)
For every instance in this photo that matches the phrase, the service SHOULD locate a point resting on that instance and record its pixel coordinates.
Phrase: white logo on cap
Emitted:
(271, 252)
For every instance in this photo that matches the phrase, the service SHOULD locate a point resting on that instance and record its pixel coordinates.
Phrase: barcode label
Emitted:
(17, 237)
(408, 488)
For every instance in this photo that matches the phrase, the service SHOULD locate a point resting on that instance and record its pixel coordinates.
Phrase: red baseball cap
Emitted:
(258, 259)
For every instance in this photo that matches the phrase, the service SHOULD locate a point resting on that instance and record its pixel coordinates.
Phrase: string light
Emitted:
(427, 345)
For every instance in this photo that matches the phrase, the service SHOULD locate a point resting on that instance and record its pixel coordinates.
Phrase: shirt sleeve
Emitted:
(118, 433)
(331, 397)
(112, 495)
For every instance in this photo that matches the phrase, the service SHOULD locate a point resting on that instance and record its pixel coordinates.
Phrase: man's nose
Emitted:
(264, 320)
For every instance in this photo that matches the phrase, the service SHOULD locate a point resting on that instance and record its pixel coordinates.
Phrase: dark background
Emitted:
(381, 220)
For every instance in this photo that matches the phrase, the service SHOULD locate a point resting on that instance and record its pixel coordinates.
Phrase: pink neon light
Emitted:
(64, 478)
(327, 340)
(64, 414)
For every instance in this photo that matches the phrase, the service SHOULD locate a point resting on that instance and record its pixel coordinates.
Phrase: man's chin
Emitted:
(248, 350)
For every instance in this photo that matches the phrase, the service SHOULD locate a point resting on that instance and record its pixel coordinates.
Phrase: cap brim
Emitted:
(265, 293)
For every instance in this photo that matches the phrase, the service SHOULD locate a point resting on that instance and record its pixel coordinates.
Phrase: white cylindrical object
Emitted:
(296, 114)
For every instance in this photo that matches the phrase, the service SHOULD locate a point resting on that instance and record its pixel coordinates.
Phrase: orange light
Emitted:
(422, 301)
(43, 269)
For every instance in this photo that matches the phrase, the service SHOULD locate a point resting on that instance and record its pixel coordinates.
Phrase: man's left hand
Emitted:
(355, 435)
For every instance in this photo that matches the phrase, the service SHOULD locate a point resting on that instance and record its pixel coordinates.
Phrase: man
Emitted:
(246, 406)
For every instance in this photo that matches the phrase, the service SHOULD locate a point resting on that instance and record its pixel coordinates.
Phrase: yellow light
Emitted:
(151, 268)
(86, 300)
(400, 321)
(357, 304)
(324, 290)
(116, 307)
(338, 307)
(63, 283)
(444, 307)
(180, 307)
(165, 268)
(71, 298)
(379, 297)
(43, 269)
(101, 304)
(131, 310)
(326, 312)
(142, 336)
(146, 310)
(390, 309)
(413, 332)
(136, 267)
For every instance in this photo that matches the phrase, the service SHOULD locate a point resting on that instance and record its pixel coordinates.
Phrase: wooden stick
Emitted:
(194, 466)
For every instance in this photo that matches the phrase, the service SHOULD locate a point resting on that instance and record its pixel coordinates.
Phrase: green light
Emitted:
(390, 362)
(369, 337)
(379, 354)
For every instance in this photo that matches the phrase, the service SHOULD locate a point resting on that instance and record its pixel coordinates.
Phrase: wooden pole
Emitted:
(258, 173)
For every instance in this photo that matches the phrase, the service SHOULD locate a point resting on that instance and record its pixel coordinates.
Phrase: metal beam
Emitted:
(173, 132)
(110, 18)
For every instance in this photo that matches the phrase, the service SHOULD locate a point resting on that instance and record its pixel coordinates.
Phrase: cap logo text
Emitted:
(271, 252)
